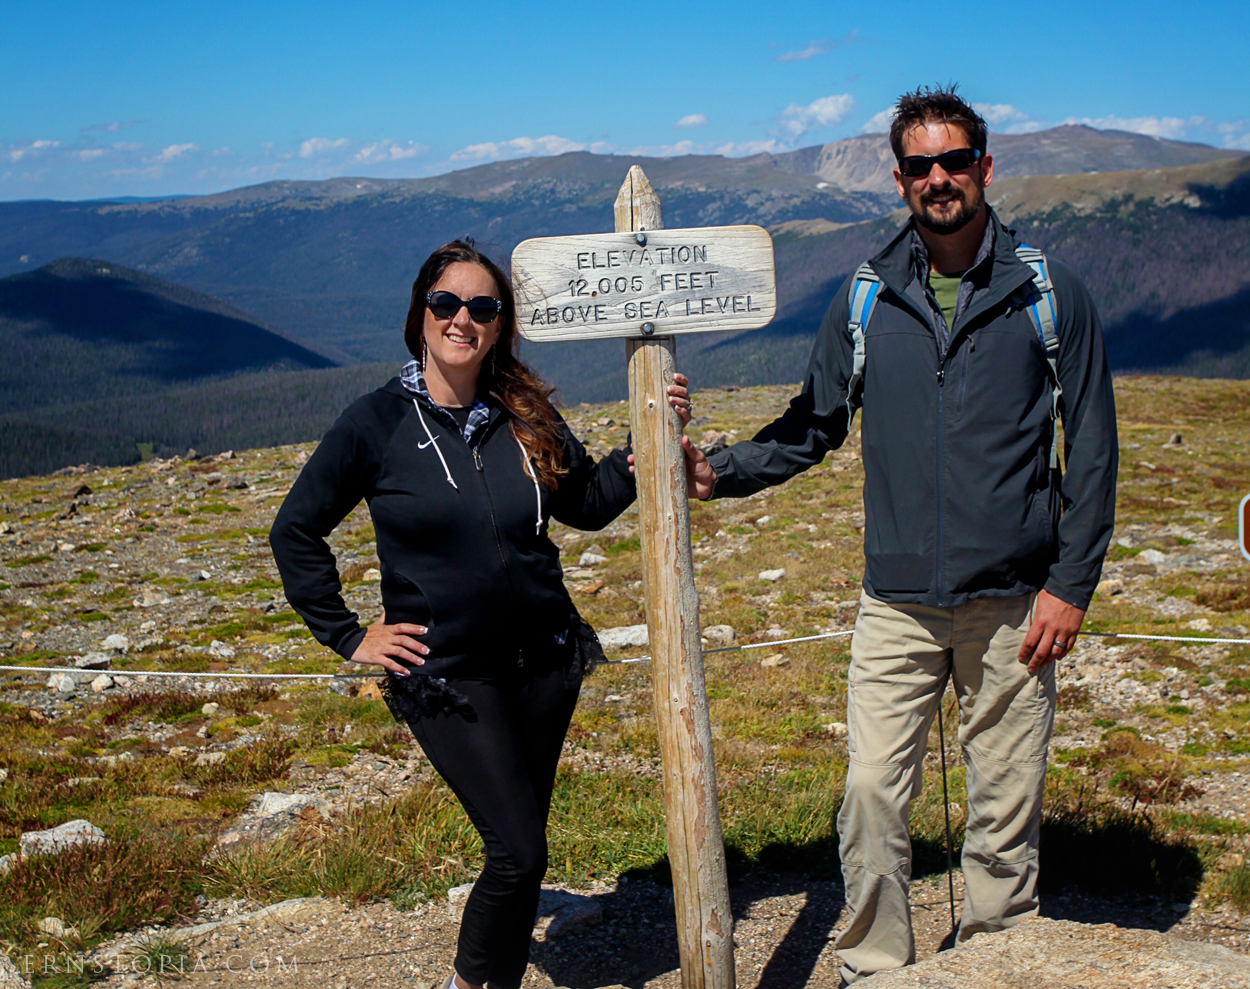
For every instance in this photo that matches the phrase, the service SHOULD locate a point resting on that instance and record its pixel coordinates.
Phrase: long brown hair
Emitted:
(525, 396)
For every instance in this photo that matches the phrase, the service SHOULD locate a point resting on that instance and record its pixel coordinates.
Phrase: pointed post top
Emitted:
(637, 207)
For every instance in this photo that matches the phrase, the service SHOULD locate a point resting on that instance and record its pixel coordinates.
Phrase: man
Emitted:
(980, 560)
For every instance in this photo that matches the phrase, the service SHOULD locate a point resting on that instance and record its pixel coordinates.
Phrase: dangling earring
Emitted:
(492, 362)
(424, 351)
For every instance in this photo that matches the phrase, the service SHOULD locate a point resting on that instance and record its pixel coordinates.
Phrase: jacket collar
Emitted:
(413, 381)
(1003, 271)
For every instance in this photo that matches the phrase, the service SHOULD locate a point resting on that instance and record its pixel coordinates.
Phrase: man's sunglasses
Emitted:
(444, 305)
(918, 166)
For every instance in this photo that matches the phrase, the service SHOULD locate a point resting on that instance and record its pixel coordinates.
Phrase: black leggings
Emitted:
(501, 763)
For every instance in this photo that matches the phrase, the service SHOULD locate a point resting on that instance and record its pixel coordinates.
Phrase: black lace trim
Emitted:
(416, 696)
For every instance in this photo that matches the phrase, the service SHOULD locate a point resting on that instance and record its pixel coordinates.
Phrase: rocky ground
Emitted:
(164, 567)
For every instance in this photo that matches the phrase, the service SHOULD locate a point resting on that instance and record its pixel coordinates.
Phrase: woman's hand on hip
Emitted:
(383, 644)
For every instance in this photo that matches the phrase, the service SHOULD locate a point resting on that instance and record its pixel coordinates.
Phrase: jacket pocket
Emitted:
(404, 601)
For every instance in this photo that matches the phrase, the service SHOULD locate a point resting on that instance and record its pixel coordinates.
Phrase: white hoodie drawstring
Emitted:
(442, 459)
(538, 494)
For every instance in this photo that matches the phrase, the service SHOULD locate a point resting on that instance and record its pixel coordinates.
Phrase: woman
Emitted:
(463, 460)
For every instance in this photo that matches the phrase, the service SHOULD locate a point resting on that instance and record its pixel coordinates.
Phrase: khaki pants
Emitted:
(901, 658)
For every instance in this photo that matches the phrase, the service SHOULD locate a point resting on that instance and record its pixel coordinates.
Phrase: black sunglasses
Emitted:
(444, 305)
(918, 166)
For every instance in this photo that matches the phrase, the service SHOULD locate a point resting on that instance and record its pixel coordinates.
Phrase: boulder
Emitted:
(623, 637)
(101, 683)
(773, 661)
(1044, 952)
(57, 928)
(62, 683)
(152, 597)
(457, 896)
(116, 642)
(209, 709)
(591, 559)
(772, 576)
(270, 814)
(10, 975)
(94, 661)
(63, 836)
(561, 913)
(220, 650)
(719, 635)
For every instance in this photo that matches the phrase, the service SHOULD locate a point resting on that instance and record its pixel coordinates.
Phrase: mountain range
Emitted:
(1159, 230)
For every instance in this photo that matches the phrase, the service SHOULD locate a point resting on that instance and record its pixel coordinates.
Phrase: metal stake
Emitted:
(946, 807)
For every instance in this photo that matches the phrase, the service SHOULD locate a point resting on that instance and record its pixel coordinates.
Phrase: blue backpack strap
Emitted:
(864, 291)
(1041, 310)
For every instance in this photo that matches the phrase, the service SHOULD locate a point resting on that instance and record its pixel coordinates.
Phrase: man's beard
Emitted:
(966, 213)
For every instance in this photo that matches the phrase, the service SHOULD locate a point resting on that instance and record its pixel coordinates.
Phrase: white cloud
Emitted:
(175, 151)
(1235, 135)
(1172, 128)
(821, 46)
(35, 147)
(388, 150)
(114, 125)
(518, 147)
(86, 154)
(879, 123)
(828, 110)
(693, 120)
(319, 145)
(813, 49)
(741, 149)
(1003, 118)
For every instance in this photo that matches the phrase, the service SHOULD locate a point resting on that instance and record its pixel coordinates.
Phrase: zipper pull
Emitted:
(941, 376)
(477, 459)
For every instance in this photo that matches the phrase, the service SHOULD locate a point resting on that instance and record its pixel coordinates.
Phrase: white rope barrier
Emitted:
(1205, 640)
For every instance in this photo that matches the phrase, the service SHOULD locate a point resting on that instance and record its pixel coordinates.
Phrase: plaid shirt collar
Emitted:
(411, 378)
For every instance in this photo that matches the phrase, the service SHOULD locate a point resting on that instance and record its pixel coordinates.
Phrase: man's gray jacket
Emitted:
(959, 498)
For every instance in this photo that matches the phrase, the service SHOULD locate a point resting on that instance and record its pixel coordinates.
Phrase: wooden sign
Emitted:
(1243, 526)
(644, 283)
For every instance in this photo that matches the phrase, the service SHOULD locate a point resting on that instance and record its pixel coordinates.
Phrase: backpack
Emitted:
(1040, 306)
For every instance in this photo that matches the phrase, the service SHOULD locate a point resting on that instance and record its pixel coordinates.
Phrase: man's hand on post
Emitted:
(1053, 633)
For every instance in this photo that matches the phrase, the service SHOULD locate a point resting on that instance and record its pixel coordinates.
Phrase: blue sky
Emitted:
(150, 99)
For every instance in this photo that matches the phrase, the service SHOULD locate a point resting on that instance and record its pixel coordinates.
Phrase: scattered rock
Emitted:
(65, 547)
(202, 575)
(591, 558)
(712, 441)
(1152, 556)
(94, 661)
(270, 814)
(123, 681)
(152, 597)
(220, 650)
(613, 699)
(775, 660)
(116, 642)
(57, 928)
(1176, 439)
(1110, 588)
(373, 575)
(101, 683)
(179, 752)
(209, 709)
(62, 683)
(561, 913)
(1046, 952)
(236, 483)
(4, 775)
(719, 635)
(763, 520)
(772, 576)
(624, 637)
(837, 729)
(63, 836)
(10, 977)
(113, 760)
(210, 758)
(368, 690)
(457, 896)
(777, 633)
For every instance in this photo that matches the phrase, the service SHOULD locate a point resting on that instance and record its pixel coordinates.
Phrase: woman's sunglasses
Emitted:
(918, 166)
(444, 305)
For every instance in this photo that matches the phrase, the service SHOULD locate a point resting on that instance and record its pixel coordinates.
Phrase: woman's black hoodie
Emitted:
(461, 530)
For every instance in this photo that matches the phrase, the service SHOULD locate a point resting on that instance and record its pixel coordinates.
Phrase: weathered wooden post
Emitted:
(646, 284)
(696, 852)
